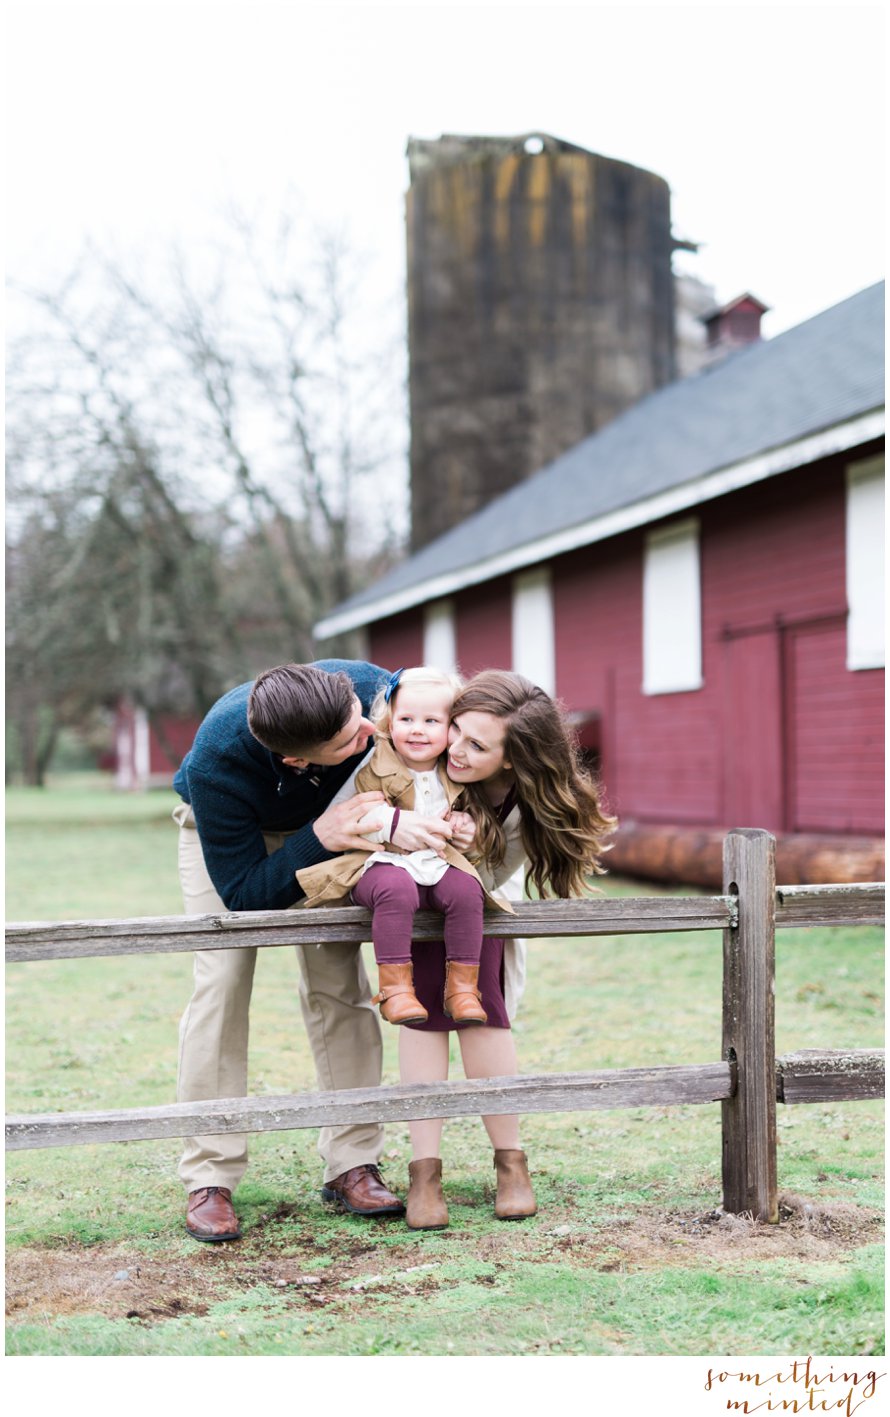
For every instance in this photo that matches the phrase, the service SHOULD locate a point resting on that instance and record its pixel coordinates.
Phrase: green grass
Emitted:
(624, 1256)
(511, 1310)
(88, 852)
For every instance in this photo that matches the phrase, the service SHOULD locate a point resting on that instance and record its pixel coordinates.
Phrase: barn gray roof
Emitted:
(759, 412)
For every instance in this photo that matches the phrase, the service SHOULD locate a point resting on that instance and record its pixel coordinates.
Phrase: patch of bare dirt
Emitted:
(807, 1231)
(281, 1252)
(111, 1280)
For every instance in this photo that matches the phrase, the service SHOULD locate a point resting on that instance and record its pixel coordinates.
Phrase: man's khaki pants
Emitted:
(342, 1025)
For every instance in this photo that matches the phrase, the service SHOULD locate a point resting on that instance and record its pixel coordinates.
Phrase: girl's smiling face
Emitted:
(476, 747)
(419, 724)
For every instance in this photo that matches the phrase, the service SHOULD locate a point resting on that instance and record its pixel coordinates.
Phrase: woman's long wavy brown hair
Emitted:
(564, 821)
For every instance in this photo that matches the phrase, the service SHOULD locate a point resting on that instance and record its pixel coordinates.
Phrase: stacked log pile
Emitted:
(695, 856)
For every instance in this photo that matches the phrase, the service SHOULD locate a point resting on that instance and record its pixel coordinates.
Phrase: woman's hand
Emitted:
(463, 830)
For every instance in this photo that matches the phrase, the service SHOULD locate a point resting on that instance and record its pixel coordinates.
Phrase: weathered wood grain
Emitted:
(855, 904)
(819, 1075)
(747, 1082)
(796, 906)
(568, 1092)
(80, 939)
(811, 1075)
(749, 1116)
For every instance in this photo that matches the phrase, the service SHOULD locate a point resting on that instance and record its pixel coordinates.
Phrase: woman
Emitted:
(533, 803)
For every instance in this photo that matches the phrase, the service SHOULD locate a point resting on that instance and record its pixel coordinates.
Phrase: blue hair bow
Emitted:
(393, 684)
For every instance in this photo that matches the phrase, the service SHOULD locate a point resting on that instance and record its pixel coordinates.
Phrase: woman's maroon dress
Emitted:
(428, 959)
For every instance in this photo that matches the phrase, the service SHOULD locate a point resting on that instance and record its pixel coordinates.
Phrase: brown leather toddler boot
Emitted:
(515, 1198)
(426, 1208)
(463, 1002)
(397, 999)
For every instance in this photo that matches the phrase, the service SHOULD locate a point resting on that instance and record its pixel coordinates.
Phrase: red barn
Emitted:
(700, 583)
(148, 752)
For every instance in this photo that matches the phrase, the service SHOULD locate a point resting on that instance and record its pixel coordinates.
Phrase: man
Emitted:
(256, 785)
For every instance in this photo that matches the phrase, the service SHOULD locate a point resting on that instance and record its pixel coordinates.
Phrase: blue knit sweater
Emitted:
(238, 789)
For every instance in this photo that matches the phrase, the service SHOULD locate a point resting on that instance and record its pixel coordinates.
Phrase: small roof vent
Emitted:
(734, 325)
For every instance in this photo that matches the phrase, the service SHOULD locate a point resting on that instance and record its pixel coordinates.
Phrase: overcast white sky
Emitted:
(135, 124)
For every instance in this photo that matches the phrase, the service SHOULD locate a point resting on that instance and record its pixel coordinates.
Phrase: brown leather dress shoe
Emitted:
(211, 1215)
(362, 1192)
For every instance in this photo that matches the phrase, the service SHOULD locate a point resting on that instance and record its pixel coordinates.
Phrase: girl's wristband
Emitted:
(397, 812)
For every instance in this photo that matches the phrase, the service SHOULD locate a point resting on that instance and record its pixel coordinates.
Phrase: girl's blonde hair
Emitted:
(381, 709)
(564, 819)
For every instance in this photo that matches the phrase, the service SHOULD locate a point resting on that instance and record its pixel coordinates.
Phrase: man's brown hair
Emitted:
(295, 707)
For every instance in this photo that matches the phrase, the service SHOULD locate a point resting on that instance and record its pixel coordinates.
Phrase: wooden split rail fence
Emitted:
(747, 1081)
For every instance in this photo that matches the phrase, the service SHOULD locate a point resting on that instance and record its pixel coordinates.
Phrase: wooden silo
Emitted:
(541, 305)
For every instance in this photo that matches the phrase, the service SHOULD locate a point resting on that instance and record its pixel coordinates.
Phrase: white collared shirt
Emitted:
(426, 867)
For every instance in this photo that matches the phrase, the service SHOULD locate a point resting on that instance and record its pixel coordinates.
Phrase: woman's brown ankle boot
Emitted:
(463, 1002)
(425, 1206)
(397, 999)
(515, 1198)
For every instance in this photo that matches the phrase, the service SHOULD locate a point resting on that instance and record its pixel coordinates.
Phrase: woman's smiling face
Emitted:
(476, 747)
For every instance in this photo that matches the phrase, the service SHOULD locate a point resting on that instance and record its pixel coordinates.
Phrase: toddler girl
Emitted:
(411, 718)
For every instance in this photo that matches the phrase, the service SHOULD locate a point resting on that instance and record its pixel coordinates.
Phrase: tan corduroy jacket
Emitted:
(329, 882)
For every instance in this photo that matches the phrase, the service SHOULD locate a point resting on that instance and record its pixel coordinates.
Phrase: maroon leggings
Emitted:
(393, 897)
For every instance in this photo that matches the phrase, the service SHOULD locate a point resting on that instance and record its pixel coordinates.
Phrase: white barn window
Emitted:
(439, 644)
(865, 564)
(534, 649)
(672, 659)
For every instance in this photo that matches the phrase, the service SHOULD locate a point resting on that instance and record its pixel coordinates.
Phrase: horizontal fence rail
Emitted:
(796, 907)
(350, 924)
(808, 1076)
(748, 1082)
(807, 906)
(824, 1075)
(565, 1092)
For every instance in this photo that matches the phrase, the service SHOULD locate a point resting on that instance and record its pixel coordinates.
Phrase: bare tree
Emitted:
(194, 478)
(105, 574)
(298, 391)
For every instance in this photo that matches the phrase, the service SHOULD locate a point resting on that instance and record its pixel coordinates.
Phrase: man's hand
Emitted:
(337, 828)
(416, 833)
(463, 830)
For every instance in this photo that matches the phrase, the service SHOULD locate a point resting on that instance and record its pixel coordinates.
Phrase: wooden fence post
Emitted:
(749, 1033)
